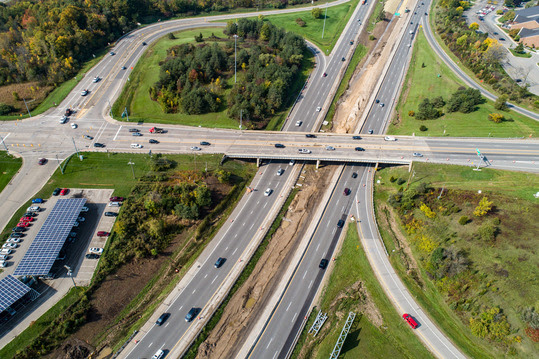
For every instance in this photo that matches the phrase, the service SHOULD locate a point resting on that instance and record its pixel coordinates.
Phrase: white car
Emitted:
(3, 264)
(84, 209)
(280, 171)
(195, 148)
(136, 145)
(33, 209)
(417, 154)
(74, 125)
(298, 123)
(330, 148)
(318, 109)
(291, 163)
(389, 138)
(10, 245)
(63, 120)
(4, 257)
(96, 250)
(96, 79)
(13, 240)
(84, 92)
(304, 150)
(267, 192)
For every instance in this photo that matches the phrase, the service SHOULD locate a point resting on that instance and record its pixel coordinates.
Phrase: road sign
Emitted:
(478, 152)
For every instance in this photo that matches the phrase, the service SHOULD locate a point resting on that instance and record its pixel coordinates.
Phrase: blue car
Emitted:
(37, 200)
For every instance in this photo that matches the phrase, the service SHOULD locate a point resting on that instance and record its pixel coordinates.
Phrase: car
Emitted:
(280, 171)
(96, 250)
(112, 53)
(324, 74)
(502, 39)
(417, 154)
(29, 214)
(323, 264)
(346, 191)
(81, 219)
(64, 120)
(340, 223)
(14, 240)
(151, 140)
(134, 130)
(103, 234)
(343, 59)
(359, 149)
(279, 145)
(205, 143)
(494, 33)
(371, 131)
(291, 163)
(116, 199)
(158, 354)
(4, 257)
(26, 219)
(358, 20)
(84, 92)
(3, 264)
(410, 320)
(330, 148)
(304, 150)
(219, 263)
(518, 80)
(88, 137)
(162, 318)
(23, 224)
(41, 161)
(6, 251)
(76, 224)
(195, 148)
(356, 137)
(382, 104)
(92, 256)
(310, 135)
(191, 314)
(426, 14)
(124, 68)
(136, 145)
(111, 214)
(115, 204)
(351, 42)
(156, 130)
(99, 145)
(96, 79)
(10, 245)
(389, 138)
(74, 125)
(298, 123)
(144, 43)
(354, 175)
(318, 109)
(33, 209)
(64, 191)
(16, 235)
(137, 134)
(68, 112)
(72, 234)
(268, 191)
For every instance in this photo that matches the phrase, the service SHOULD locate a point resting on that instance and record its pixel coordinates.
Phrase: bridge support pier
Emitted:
(376, 167)
(317, 164)
(258, 162)
(410, 167)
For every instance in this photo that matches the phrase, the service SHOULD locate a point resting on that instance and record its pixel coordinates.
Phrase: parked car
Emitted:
(64, 191)
(16, 235)
(116, 199)
(92, 256)
(26, 219)
(111, 214)
(23, 224)
(10, 245)
(103, 234)
(87, 137)
(410, 320)
(81, 219)
(14, 240)
(4, 257)
(100, 145)
(96, 250)
(115, 204)
(33, 209)
(84, 209)
(37, 200)
(56, 191)
(18, 229)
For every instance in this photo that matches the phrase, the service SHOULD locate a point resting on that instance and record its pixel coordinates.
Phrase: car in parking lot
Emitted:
(304, 150)
(92, 256)
(204, 143)
(340, 223)
(14, 240)
(18, 229)
(191, 314)
(100, 145)
(6, 251)
(267, 192)
(87, 137)
(298, 123)
(116, 199)
(310, 135)
(3, 264)
(63, 120)
(76, 224)
(84, 209)
(219, 263)
(37, 200)
(4, 257)
(280, 171)
(162, 318)
(111, 214)
(103, 234)
(359, 149)
(56, 191)
(64, 191)
(151, 140)
(33, 209)
(410, 320)
(323, 264)
(10, 245)
(41, 161)
(96, 250)
(26, 219)
(81, 219)
(23, 224)
(346, 191)
(134, 130)
(16, 235)
(195, 148)
(279, 145)
(417, 154)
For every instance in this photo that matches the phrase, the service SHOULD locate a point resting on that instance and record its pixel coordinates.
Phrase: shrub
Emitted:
(316, 12)
(500, 103)
(487, 232)
(411, 113)
(463, 220)
(491, 324)
(496, 117)
(483, 208)
(427, 110)
(372, 38)
(438, 102)
(16, 96)
(300, 22)
(171, 36)
(6, 109)
(423, 128)
(426, 209)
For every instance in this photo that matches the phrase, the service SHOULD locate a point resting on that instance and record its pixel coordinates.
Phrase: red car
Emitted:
(41, 161)
(64, 191)
(23, 224)
(26, 219)
(116, 199)
(346, 191)
(410, 320)
(103, 234)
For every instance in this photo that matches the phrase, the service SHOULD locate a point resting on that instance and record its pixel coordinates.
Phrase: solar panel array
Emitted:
(43, 251)
(11, 290)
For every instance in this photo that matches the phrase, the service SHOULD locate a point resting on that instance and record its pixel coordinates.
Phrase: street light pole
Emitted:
(76, 150)
(235, 42)
(132, 169)
(2, 138)
(29, 114)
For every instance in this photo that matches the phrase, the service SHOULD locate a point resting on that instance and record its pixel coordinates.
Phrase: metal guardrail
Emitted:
(315, 158)
(124, 345)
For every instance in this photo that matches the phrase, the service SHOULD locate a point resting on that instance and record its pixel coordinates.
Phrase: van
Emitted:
(114, 204)
(158, 354)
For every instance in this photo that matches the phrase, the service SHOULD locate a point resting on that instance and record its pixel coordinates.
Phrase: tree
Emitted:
(500, 103)
(6, 109)
(427, 111)
(519, 49)
(438, 102)
(463, 220)
(483, 208)
(474, 26)
(316, 13)
(496, 117)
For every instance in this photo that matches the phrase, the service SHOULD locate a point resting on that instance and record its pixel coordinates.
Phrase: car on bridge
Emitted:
(279, 145)
(359, 149)
(304, 150)
(417, 154)
(195, 148)
(389, 138)
(330, 148)
(310, 135)
(356, 137)
(153, 141)
(205, 143)
(280, 171)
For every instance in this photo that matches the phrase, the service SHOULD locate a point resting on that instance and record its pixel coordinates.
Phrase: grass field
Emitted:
(422, 82)
(9, 166)
(520, 54)
(365, 340)
(502, 272)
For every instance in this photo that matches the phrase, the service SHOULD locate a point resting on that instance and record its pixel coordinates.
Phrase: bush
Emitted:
(463, 220)
(496, 117)
(6, 109)
(423, 128)
(427, 110)
(411, 113)
(483, 208)
(372, 38)
(171, 36)
(500, 103)
(487, 232)
(300, 22)
(316, 12)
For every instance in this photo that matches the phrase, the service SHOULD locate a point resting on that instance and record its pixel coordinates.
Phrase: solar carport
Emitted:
(50, 239)
(11, 290)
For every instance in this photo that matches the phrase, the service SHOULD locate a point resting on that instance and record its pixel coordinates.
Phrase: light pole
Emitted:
(325, 16)
(76, 150)
(132, 169)
(70, 274)
(29, 114)
(235, 42)
(2, 138)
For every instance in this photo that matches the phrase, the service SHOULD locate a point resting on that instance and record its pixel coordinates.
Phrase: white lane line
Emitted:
(213, 279)
(334, 230)
(294, 318)
(226, 248)
(234, 251)
(343, 207)
(194, 290)
(318, 246)
(205, 276)
(265, 204)
(117, 132)
(251, 226)
(150, 344)
(311, 284)
(235, 236)
(304, 274)
(289, 304)
(180, 308)
(275, 355)
(269, 343)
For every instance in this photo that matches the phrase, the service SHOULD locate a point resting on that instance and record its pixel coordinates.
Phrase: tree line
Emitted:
(48, 41)
(193, 79)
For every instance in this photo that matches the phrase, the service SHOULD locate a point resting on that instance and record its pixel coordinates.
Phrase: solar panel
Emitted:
(43, 251)
(11, 290)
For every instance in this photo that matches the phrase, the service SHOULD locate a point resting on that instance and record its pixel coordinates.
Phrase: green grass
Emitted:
(372, 23)
(359, 53)
(512, 193)
(9, 166)
(365, 340)
(422, 82)
(37, 327)
(336, 20)
(520, 54)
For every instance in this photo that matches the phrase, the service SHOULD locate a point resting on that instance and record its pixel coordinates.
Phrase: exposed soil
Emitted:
(249, 301)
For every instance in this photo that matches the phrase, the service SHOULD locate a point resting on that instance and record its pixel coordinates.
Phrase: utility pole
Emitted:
(235, 41)
(325, 16)
(29, 114)
(2, 138)
(70, 274)
(76, 150)
(59, 164)
(132, 169)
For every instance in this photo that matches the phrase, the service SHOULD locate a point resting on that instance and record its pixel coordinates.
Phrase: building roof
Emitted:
(528, 32)
(526, 15)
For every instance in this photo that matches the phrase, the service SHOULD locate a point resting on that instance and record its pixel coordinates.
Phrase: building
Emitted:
(529, 37)
(526, 18)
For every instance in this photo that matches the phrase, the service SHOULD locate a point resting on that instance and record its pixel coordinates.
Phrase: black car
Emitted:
(220, 261)
(92, 256)
(18, 229)
(354, 175)
(153, 141)
(343, 59)
(17, 235)
(359, 149)
(191, 314)
(340, 224)
(356, 137)
(309, 135)
(279, 145)
(30, 214)
(134, 130)
(56, 191)
(204, 143)
(144, 44)
(162, 318)
(100, 145)
(111, 214)
(124, 68)
(323, 264)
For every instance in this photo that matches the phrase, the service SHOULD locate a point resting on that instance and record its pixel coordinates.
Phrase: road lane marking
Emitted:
(289, 304)
(117, 132)
(269, 343)
(213, 279)
(234, 251)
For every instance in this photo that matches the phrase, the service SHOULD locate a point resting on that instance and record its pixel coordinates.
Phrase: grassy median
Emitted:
(9, 166)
